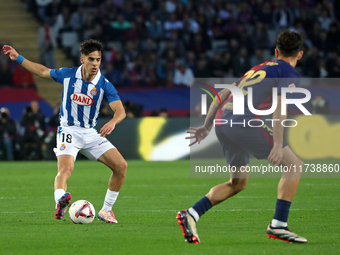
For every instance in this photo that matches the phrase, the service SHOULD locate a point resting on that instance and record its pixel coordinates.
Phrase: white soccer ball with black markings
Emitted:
(82, 212)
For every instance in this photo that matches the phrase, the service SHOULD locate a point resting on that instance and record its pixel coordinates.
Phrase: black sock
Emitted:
(202, 206)
(282, 210)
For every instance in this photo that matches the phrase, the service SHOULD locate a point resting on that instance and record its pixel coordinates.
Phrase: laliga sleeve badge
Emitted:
(93, 92)
(291, 86)
(62, 147)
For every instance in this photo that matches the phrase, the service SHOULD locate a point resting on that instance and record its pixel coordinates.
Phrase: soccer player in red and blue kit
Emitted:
(239, 141)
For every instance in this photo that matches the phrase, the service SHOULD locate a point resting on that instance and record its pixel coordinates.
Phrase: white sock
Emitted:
(194, 214)
(110, 199)
(278, 224)
(58, 193)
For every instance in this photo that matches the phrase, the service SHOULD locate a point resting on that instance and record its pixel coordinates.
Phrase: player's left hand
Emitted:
(107, 128)
(199, 134)
(275, 155)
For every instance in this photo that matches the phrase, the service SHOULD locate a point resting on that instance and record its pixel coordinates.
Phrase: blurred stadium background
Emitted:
(152, 50)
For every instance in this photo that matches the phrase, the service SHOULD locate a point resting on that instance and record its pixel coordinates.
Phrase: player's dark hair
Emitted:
(289, 43)
(89, 46)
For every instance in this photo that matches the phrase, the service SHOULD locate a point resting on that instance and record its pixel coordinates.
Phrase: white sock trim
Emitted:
(194, 214)
(58, 193)
(278, 224)
(110, 199)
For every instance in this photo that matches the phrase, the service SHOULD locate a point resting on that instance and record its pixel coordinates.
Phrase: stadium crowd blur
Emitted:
(165, 43)
(150, 43)
(23, 140)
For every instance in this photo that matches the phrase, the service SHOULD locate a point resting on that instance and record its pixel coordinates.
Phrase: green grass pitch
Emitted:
(146, 208)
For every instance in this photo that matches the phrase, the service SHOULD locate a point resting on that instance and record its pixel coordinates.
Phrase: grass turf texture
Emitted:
(146, 208)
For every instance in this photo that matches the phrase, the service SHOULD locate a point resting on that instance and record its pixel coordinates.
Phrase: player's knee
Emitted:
(240, 187)
(239, 184)
(123, 166)
(120, 168)
(297, 163)
(65, 170)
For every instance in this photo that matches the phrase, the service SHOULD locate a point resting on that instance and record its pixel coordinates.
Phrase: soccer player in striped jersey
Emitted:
(84, 89)
(264, 143)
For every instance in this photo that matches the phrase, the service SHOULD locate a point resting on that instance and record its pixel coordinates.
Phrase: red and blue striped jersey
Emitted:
(261, 78)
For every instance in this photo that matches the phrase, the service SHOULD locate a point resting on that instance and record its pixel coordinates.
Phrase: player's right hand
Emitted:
(108, 128)
(275, 155)
(10, 51)
(199, 134)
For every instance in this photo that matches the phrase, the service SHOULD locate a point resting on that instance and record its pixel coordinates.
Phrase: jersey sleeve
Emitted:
(58, 74)
(111, 93)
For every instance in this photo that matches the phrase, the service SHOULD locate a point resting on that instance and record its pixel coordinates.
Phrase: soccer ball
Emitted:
(81, 212)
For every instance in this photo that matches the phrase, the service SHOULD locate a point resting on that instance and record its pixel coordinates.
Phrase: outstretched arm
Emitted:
(201, 132)
(119, 115)
(34, 68)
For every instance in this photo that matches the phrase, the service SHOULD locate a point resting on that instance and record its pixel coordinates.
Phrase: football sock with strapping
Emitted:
(110, 199)
(58, 193)
(281, 213)
(200, 208)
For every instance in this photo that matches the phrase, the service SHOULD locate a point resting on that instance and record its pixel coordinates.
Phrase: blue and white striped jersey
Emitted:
(82, 100)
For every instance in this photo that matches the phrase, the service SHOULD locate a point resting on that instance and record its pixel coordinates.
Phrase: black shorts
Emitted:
(239, 142)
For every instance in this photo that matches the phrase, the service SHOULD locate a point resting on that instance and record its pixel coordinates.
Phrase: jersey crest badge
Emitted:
(62, 147)
(93, 92)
